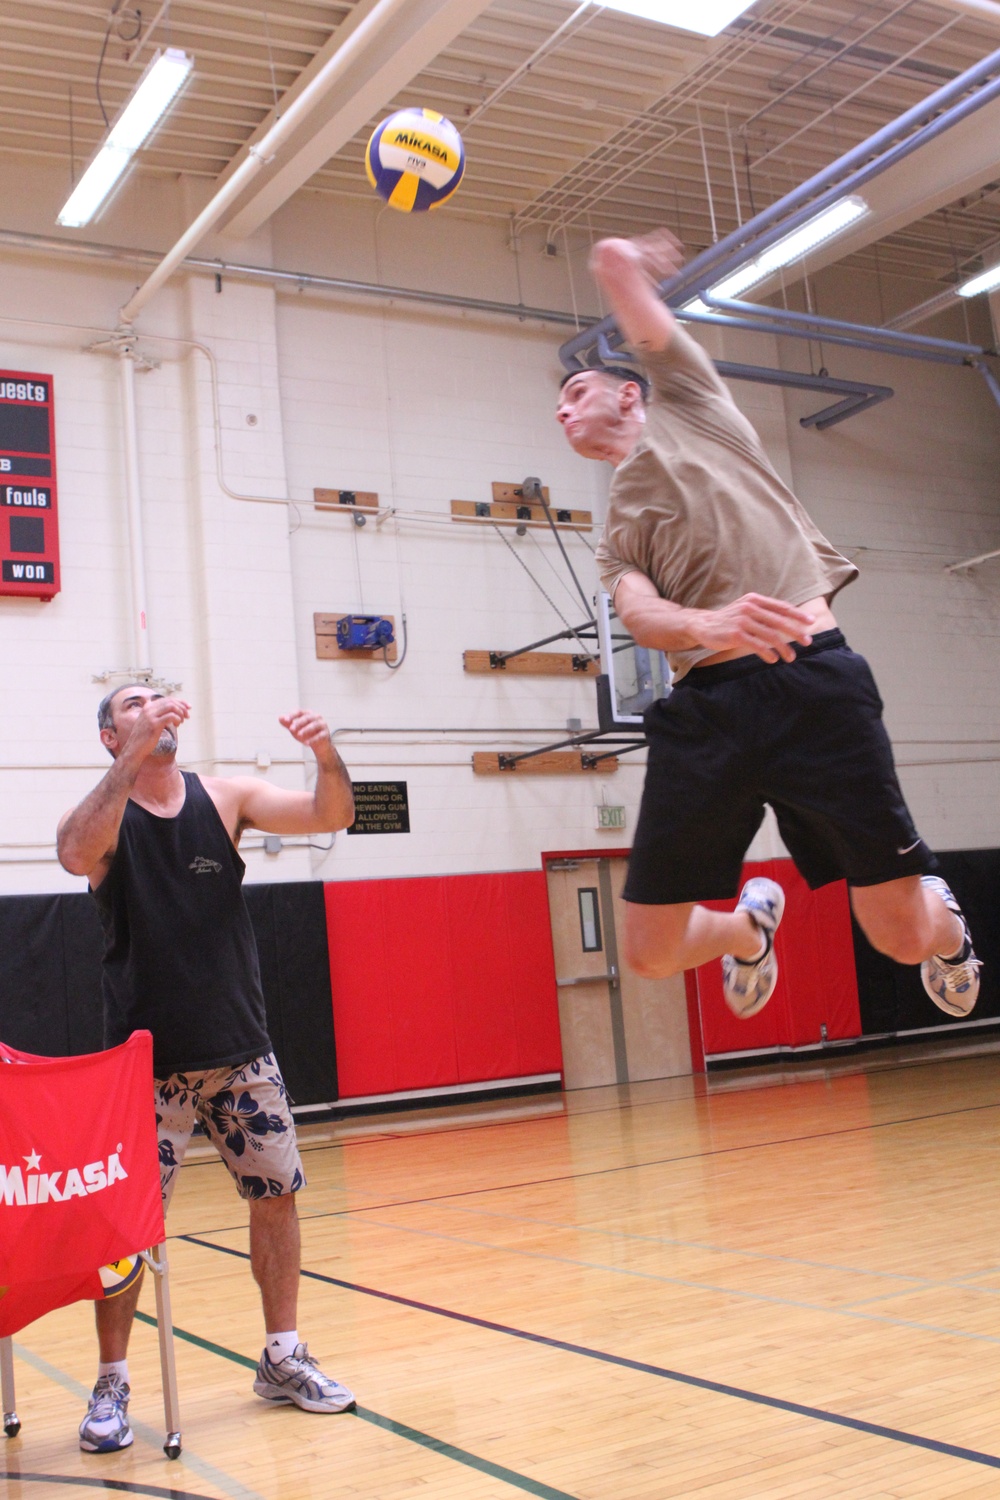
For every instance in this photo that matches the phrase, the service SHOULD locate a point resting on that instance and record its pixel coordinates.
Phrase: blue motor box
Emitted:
(364, 632)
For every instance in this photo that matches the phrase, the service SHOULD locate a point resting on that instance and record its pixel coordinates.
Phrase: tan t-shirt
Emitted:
(698, 507)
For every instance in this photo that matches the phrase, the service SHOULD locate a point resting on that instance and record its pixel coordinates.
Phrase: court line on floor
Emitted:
(393, 1136)
(738, 1251)
(678, 1377)
(636, 1166)
(129, 1486)
(187, 1460)
(916, 1283)
(390, 1424)
(689, 1284)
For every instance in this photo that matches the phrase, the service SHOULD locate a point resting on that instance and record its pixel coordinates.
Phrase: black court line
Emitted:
(130, 1486)
(631, 1166)
(388, 1424)
(698, 1382)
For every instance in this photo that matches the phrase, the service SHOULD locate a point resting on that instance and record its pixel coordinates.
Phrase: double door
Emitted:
(616, 1026)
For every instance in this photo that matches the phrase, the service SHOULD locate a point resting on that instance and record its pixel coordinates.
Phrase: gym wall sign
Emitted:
(29, 527)
(380, 807)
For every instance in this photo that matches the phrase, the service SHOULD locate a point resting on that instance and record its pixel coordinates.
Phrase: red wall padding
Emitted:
(817, 980)
(441, 980)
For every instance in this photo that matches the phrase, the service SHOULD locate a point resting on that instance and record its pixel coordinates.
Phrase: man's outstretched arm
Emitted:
(327, 809)
(628, 273)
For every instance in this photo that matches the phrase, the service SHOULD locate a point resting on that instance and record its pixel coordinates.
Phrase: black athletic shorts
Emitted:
(806, 737)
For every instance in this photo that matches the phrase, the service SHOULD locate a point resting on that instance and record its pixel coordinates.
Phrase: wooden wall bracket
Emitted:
(520, 514)
(532, 664)
(550, 763)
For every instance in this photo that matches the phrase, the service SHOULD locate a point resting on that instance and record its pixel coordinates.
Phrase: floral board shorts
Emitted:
(245, 1113)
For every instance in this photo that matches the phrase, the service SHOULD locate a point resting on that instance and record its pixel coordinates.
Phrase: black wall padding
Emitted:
(50, 979)
(891, 995)
(290, 925)
(50, 974)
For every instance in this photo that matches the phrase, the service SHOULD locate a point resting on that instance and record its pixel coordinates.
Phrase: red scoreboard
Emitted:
(29, 521)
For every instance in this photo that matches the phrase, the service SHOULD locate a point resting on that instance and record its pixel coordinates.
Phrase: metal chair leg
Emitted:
(11, 1420)
(157, 1260)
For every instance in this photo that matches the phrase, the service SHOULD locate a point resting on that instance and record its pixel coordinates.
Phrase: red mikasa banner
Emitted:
(79, 1173)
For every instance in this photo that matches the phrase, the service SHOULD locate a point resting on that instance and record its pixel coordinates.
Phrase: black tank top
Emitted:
(180, 957)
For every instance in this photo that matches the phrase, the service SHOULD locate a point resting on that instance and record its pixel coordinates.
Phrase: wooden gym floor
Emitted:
(770, 1284)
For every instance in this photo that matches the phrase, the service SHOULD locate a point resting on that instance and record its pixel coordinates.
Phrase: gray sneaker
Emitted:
(298, 1378)
(105, 1428)
(748, 986)
(952, 983)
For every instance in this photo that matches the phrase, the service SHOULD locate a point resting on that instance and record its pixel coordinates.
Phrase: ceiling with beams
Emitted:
(574, 116)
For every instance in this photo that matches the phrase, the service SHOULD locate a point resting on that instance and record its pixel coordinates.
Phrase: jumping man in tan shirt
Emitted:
(710, 558)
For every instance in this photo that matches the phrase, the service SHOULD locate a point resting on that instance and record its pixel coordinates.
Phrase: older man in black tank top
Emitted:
(159, 849)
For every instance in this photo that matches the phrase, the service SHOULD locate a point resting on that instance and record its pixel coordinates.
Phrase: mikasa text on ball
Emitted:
(415, 160)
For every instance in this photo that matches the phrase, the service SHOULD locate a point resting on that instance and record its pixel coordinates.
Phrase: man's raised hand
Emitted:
(155, 716)
(660, 253)
(311, 730)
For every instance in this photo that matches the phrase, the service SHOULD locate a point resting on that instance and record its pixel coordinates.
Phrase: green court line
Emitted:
(189, 1462)
(389, 1424)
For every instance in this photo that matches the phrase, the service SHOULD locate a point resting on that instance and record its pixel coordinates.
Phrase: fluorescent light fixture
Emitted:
(986, 281)
(155, 92)
(795, 246)
(707, 17)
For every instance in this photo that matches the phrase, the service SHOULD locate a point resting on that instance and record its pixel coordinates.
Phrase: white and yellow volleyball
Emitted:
(415, 160)
(120, 1274)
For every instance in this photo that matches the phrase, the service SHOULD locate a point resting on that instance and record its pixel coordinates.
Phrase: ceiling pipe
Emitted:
(785, 330)
(142, 654)
(856, 395)
(88, 250)
(881, 340)
(264, 152)
(917, 127)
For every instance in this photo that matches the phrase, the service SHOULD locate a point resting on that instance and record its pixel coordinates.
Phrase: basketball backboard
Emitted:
(632, 677)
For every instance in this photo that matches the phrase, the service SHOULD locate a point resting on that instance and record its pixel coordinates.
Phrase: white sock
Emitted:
(280, 1345)
(117, 1367)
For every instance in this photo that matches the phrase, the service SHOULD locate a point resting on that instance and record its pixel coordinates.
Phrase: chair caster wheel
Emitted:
(11, 1424)
(172, 1447)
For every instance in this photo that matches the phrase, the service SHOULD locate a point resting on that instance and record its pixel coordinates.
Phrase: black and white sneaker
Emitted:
(105, 1428)
(747, 986)
(298, 1378)
(952, 983)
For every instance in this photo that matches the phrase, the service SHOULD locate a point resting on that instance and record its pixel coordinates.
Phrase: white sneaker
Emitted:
(952, 983)
(298, 1378)
(105, 1428)
(748, 986)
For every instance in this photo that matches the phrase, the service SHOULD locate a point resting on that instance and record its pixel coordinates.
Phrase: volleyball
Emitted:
(120, 1274)
(415, 160)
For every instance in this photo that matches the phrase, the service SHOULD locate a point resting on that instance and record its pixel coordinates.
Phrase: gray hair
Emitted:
(105, 718)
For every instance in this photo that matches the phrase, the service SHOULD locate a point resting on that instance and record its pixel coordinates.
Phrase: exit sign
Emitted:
(29, 530)
(609, 817)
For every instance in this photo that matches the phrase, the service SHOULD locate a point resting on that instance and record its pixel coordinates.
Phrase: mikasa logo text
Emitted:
(25, 1189)
(420, 143)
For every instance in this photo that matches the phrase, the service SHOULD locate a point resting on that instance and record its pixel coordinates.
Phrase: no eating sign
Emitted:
(29, 524)
(380, 807)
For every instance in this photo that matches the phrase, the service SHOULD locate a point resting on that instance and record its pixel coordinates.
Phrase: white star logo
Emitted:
(34, 1161)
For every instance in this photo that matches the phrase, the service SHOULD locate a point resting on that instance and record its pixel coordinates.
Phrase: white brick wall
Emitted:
(425, 406)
